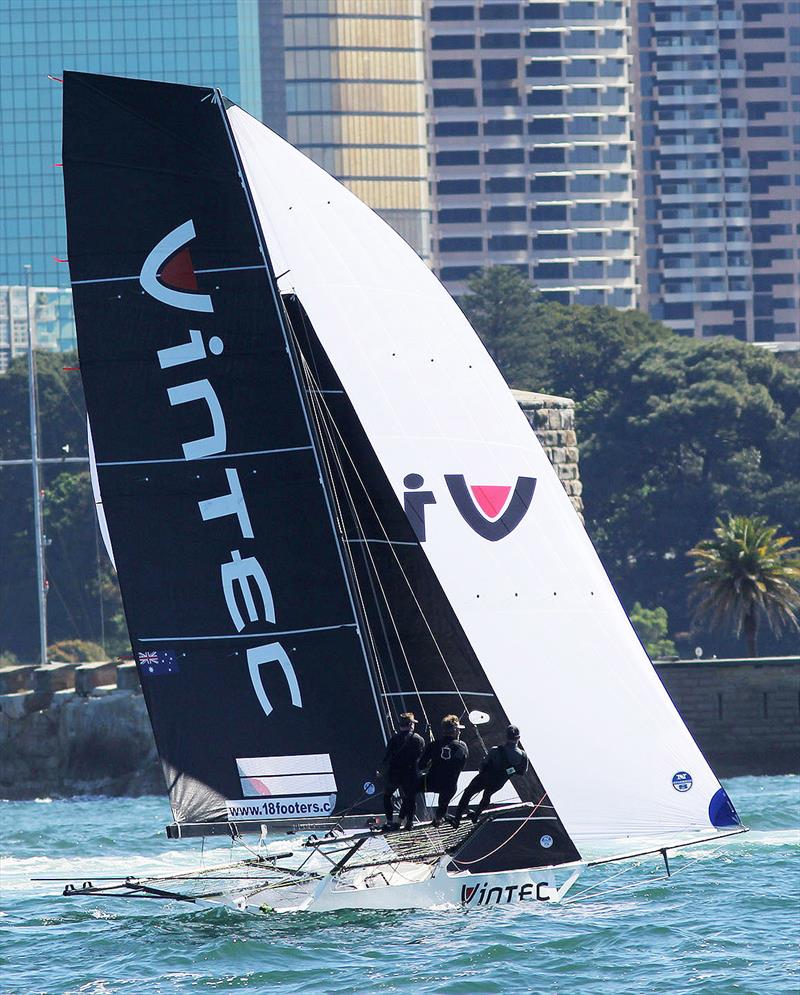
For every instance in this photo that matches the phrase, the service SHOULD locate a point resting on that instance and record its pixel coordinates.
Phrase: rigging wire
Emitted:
(403, 573)
(499, 847)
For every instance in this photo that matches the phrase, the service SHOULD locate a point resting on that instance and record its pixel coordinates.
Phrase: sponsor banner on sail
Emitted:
(299, 807)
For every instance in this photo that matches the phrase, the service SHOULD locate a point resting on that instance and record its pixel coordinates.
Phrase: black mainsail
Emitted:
(249, 650)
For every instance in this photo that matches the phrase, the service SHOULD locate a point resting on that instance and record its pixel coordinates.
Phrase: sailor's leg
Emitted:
(445, 797)
(485, 800)
(408, 795)
(471, 789)
(388, 802)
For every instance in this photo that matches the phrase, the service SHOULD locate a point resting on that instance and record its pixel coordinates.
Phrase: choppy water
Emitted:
(727, 922)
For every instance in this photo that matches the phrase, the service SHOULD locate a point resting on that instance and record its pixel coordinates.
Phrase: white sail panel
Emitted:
(98, 498)
(536, 605)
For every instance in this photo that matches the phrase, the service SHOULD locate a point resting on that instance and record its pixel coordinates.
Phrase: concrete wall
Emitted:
(744, 714)
(85, 738)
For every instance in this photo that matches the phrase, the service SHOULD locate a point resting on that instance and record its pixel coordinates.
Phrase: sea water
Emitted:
(727, 922)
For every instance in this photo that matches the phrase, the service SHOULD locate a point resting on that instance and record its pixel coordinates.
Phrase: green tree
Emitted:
(84, 597)
(746, 573)
(76, 651)
(499, 305)
(651, 626)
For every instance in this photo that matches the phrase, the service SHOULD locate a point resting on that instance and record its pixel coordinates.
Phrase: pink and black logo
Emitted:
(491, 510)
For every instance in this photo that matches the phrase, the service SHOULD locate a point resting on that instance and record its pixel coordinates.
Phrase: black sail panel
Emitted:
(241, 618)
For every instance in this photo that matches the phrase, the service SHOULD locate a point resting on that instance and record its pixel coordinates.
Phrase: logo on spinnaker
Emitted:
(491, 510)
(546, 841)
(682, 781)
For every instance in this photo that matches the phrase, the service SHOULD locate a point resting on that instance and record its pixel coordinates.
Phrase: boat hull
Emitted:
(532, 888)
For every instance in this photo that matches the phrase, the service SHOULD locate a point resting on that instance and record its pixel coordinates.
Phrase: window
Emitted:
(446, 129)
(619, 268)
(503, 156)
(451, 12)
(551, 271)
(441, 43)
(582, 39)
(458, 186)
(583, 97)
(543, 39)
(544, 69)
(506, 213)
(546, 242)
(546, 126)
(545, 98)
(503, 127)
(508, 243)
(587, 241)
(456, 272)
(586, 183)
(543, 12)
(453, 98)
(548, 184)
(584, 126)
(505, 97)
(547, 153)
(458, 157)
(498, 69)
(589, 297)
(582, 67)
(586, 212)
(505, 184)
(549, 212)
(499, 11)
(497, 39)
(459, 215)
(588, 269)
(585, 153)
(453, 68)
(461, 244)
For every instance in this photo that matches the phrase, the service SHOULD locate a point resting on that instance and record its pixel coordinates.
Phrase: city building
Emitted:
(50, 317)
(189, 41)
(531, 145)
(718, 130)
(343, 81)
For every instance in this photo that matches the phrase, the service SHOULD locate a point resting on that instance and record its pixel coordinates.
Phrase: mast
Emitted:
(41, 582)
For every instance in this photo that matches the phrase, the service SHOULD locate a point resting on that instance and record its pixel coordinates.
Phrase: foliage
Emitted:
(651, 627)
(673, 433)
(83, 600)
(76, 651)
(745, 573)
(8, 659)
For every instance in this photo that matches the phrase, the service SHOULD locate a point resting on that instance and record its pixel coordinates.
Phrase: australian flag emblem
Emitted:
(158, 663)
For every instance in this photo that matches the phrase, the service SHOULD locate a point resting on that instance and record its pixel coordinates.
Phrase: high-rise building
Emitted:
(531, 143)
(50, 316)
(718, 124)
(343, 81)
(189, 41)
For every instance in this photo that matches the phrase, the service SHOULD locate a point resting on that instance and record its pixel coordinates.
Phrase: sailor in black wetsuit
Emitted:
(400, 769)
(442, 762)
(499, 764)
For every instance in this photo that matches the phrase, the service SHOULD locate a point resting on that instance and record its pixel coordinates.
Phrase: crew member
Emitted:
(499, 764)
(442, 762)
(400, 770)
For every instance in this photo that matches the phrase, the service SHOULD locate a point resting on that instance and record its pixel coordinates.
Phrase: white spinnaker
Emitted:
(98, 499)
(537, 605)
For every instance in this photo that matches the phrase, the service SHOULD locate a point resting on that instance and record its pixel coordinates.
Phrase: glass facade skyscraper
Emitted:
(208, 42)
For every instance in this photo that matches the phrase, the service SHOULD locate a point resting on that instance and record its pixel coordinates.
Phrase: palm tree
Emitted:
(746, 572)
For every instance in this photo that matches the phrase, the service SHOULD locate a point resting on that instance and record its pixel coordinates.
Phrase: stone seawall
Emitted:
(69, 735)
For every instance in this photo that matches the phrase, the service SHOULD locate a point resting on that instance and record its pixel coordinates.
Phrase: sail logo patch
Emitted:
(682, 781)
(280, 776)
(493, 511)
(158, 663)
(167, 268)
(483, 894)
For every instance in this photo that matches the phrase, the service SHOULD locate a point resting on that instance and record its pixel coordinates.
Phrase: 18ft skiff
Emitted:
(325, 508)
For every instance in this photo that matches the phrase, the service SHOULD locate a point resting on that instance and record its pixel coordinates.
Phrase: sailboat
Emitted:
(325, 508)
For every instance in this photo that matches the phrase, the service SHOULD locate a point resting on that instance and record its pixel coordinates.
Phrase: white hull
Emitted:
(396, 888)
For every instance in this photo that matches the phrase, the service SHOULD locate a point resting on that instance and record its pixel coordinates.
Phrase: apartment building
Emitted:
(718, 131)
(531, 145)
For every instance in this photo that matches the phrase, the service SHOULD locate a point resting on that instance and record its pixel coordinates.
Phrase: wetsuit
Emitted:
(401, 770)
(444, 760)
(498, 766)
